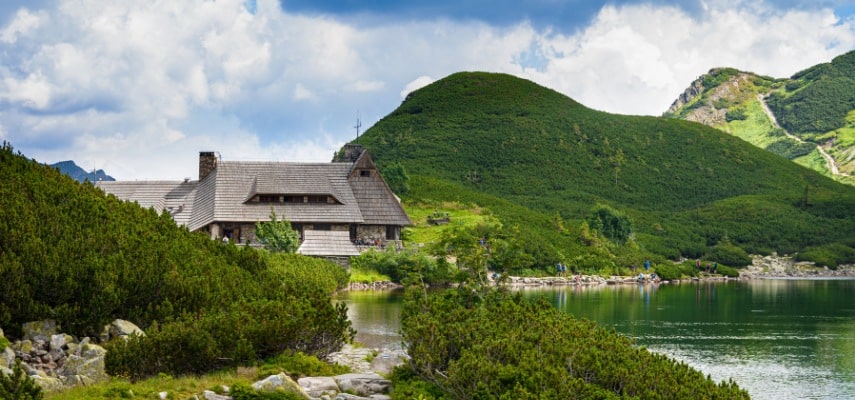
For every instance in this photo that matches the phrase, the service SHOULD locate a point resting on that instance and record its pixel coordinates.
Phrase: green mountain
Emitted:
(808, 118)
(542, 162)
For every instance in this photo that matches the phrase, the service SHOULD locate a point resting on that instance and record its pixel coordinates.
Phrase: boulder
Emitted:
(7, 357)
(318, 386)
(279, 382)
(92, 368)
(120, 328)
(92, 351)
(60, 341)
(210, 395)
(39, 330)
(363, 384)
(348, 396)
(48, 384)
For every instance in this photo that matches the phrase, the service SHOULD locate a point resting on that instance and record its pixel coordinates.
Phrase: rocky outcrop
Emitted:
(775, 266)
(280, 382)
(57, 360)
(693, 91)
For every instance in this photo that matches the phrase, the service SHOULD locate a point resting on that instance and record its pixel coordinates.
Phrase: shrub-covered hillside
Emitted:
(543, 161)
(70, 253)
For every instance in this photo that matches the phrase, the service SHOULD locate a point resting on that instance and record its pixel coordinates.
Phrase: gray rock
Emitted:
(39, 330)
(348, 396)
(7, 357)
(209, 395)
(78, 380)
(318, 386)
(60, 341)
(5, 371)
(120, 328)
(48, 384)
(92, 368)
(279, 382)
(363, 384)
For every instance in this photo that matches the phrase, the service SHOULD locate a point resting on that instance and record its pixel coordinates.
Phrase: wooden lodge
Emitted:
(338, 208)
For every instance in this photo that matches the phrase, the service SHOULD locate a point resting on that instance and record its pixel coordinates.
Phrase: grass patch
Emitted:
(366, 275)
(422, 233)
(177, 388)
(294, 364)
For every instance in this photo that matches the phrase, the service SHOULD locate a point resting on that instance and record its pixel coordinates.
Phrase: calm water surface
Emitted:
(778, 339)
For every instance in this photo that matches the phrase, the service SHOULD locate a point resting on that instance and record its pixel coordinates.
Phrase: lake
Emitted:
(777, 338)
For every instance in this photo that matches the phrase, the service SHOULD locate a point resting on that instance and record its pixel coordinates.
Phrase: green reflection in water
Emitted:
(779, 339)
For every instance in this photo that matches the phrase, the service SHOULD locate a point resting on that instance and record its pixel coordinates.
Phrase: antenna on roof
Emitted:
(358, 125)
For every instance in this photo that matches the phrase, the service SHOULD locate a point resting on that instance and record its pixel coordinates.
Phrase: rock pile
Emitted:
(57, 360)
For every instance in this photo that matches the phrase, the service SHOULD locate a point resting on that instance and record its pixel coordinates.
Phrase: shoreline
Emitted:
(762, 267)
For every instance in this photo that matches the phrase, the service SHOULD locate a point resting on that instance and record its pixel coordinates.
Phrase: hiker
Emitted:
(646, 265)
(714, 267)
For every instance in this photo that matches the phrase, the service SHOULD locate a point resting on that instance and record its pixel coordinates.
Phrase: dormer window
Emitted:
(365, 172)
(293, 199)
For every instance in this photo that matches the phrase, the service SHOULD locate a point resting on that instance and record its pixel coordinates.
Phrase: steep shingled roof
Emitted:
(177, 197)
(226, 194)
(327, 243)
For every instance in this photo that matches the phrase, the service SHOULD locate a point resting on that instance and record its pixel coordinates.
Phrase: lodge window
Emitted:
(267, 198)
(365, 172)
(316, 199)
(322, 227)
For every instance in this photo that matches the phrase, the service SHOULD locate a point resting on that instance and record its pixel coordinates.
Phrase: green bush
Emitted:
(727, 271)
(18, 385)
(507, 347)
(669, 272)
(735, 114)
(399, 265)
(727, 253)
(830, 255)
(297, 364)
(199, 343)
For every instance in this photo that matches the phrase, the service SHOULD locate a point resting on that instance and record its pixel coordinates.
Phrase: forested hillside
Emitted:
(808, 118)
(542, 162)
(72, 254)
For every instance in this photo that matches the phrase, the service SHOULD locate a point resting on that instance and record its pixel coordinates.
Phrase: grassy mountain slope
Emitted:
(810, 117)
(537, 156)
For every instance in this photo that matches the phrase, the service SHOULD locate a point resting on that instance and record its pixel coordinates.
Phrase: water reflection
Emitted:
(779, 339)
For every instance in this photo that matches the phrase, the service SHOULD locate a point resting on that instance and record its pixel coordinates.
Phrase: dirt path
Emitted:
(829, 161)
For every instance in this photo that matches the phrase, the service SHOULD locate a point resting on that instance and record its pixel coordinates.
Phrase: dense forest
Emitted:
(543, 163)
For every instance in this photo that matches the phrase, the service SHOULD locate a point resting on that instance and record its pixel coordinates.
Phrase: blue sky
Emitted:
(139, 88)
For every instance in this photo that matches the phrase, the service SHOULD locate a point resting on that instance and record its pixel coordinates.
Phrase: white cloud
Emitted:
(138, 88)
(23, 22)
(416, 84)
(637, 59)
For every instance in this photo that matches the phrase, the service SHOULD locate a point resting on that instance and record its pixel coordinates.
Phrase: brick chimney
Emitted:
(207, 163)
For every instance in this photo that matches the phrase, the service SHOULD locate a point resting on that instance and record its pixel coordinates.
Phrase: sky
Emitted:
(138, 88)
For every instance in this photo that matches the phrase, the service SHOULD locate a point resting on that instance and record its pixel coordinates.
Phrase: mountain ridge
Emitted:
(70, 168)
(808, 118)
